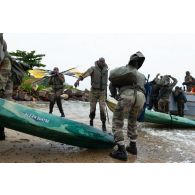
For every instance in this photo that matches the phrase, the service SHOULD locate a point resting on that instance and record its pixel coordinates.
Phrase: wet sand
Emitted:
(155, 144)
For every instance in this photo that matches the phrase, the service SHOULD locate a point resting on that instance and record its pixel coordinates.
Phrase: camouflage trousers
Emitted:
(189, 88)
(163, 105)
(6, 84)
(95, 96)
(129, 105)
(55, 97)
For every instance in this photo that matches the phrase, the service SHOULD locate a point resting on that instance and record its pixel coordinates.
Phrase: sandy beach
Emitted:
(155, 144)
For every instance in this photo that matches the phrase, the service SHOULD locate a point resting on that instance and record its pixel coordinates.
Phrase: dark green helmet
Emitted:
(137, 59)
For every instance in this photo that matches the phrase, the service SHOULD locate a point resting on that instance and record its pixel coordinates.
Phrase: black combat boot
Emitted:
(63, 115)
(104, 126)
(120, 153)
(91, 122)
(2, 134)
(132, 149)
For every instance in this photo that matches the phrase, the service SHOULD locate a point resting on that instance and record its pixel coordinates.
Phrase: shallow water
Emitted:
(155, 143)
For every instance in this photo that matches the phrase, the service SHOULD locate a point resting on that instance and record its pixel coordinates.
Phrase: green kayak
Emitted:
(160, 118)
(51, 127)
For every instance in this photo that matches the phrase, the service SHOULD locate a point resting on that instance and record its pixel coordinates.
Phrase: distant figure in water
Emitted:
(180, 99)
(57, 82)
(188, 80)
(99, 80)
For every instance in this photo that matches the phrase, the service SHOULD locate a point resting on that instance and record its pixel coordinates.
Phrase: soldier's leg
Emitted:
(189, 88)
(163, 106)
(118, 122)
(182, 112)
(117, 125)
(52, 100)
(93, 101)
(155, 104)
(6, 86)
(59, 102)
(180, 107)
(2, 133)
(132, 130)
(102, 105)
(132, 122)
(2, 93)
(9, 89)
(166, 106)
(151, 103)
(160, 105)
(5, 73)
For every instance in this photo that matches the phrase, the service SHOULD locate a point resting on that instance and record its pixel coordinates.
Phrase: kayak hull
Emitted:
(35, 122)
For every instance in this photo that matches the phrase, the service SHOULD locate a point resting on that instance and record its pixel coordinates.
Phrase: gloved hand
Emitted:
(76, 83)
(117, 96)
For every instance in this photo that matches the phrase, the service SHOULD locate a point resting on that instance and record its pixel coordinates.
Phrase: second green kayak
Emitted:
(160, 118)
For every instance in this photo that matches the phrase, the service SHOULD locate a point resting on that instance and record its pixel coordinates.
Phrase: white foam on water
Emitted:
(178, 149)
(184, 136)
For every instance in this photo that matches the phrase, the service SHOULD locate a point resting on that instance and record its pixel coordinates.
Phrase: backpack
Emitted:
(122, 76)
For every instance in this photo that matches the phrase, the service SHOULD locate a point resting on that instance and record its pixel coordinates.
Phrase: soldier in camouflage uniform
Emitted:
(6, 84)
(99, 79)
(131, 102)
(153, 101)
(165, 92)
(180, 99)
(188, 80)
(57, 82)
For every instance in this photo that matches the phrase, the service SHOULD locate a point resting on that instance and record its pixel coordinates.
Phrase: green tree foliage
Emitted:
(30, 58)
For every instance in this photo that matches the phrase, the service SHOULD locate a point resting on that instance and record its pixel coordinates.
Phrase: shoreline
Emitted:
(155, 144)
